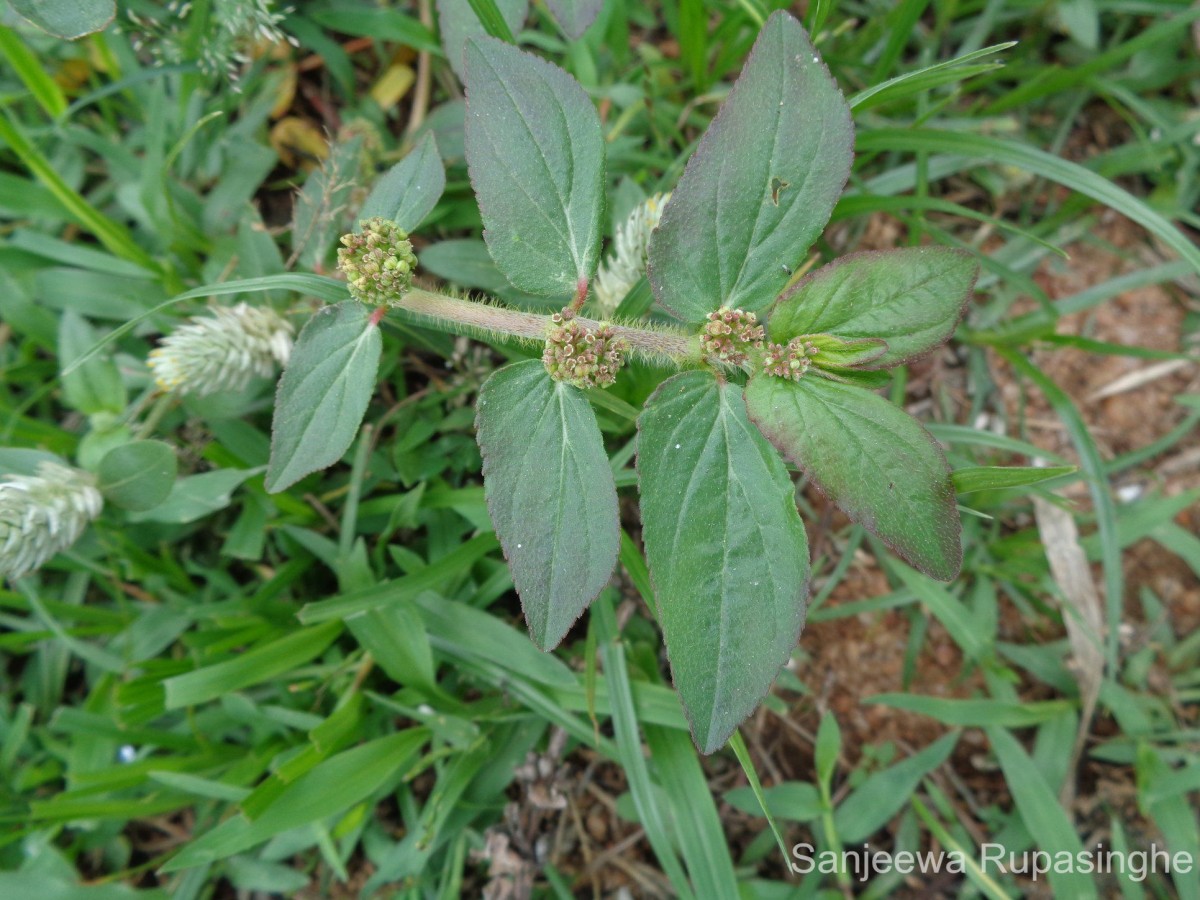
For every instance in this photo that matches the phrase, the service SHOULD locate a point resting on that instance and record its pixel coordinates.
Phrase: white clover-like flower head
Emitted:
(43, 514)
(626, 262)
(222, 351)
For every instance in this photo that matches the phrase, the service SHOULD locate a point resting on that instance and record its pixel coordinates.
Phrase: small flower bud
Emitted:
(729, 334)
(378, 262)
(221, 352)
(791, 361)
(42, 515)
(583, 357)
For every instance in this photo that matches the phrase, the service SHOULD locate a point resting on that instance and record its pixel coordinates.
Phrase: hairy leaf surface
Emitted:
(550, 493)
(323, 393)
(726, 548)
(536, 157)
(761, 184)
(410, 189)
(910, 298)
(874, 460)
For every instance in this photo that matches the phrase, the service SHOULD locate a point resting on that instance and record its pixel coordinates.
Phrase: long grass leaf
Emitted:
(1093, 468)
(114, 237)
(317, 286)
(1061, 171)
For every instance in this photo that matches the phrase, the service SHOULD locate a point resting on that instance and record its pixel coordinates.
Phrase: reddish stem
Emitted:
(377, 314)
(581, 289)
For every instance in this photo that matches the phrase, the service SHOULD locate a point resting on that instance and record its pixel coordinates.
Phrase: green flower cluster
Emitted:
(378, 261)
(790, 361)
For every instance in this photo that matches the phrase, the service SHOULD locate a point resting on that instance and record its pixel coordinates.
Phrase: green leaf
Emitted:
(409, 189)
(36, 78)
(727, 550)
(492, 19)
(328, 788)
(1059, 170)
(40, 881)
(458, 22)
(991, 478)
(792, 801)
(323, 393)
(871, 458)
(69, 19)
(977, 713)
(196, 496)
(647, 801)
(1048, 823)
(138, 475)
(575, 16)
(738, 745)
(884, 793)
(536, 158)
(911, 298)
(252, 667)
(701, 837)
(115, 238)
(915, 82)
(95, 386)
(396, 638)
(550, 493)
(837, 354)
(827, 749)
(761, 184)
(460, 629)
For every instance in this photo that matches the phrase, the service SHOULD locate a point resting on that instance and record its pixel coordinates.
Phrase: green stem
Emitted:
(358, 471)
(654, 344)
(164, 404)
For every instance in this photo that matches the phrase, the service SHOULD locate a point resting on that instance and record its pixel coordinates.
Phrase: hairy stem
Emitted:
(655, 344)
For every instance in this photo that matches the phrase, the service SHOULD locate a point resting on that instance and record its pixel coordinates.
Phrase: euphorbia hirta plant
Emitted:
(770, 372)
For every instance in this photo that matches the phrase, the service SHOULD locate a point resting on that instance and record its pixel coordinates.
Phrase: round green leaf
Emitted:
(68, 19)
(138, 475)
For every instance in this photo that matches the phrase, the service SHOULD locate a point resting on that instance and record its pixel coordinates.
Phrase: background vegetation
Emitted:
(330, 692)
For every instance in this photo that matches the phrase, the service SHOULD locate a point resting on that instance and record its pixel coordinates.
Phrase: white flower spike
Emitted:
(221, 352)
(627, 261)
(43, 514)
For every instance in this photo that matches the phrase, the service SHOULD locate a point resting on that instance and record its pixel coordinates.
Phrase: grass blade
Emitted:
(1060, 171)
(114, 237)
(1106, 512)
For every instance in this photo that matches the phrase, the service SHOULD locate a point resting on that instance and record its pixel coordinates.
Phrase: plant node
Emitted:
(790, 361)
(584, 357)
(729, 334)
(378, 261)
